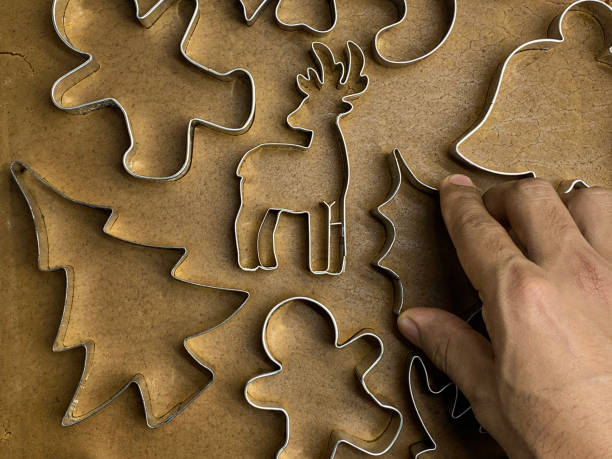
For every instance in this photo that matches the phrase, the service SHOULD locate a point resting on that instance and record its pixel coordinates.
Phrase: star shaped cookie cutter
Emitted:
(338, 437)
(90, 66)
(138, 379)
(402, 6)
(601, 11)
(455, 413)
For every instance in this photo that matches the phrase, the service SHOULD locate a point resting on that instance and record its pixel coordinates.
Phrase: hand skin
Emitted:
(542, 387)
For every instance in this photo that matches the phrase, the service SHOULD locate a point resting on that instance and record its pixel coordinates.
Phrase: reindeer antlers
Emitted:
(350, 77)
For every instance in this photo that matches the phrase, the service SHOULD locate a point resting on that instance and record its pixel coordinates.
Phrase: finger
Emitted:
(483, 246)
(591, 209)
(454, 347)
(467, 358)
(536, 214)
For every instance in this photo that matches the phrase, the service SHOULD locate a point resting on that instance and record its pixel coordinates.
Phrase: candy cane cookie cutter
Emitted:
(402, 6)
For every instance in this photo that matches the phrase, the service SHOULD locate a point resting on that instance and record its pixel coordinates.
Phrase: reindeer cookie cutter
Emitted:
(349, 77)
(402, 6)
(139, 380)
(601, 11)
(394, 427)
(90, 66)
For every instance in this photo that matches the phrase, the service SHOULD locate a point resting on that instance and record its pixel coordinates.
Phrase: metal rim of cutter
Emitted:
(319, 77)
(139, 380)
(90, 66)
(402, 6)
(601, 11)
(362, 370)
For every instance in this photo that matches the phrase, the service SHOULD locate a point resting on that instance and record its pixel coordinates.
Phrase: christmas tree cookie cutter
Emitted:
(338, 437)
(70, 418)
(601, 11)
(90, 66)
(400, 169)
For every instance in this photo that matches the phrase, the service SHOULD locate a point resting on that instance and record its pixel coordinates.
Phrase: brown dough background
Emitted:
(420, 109)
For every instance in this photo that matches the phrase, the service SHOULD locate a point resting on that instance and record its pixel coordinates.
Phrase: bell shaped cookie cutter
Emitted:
(349, 77)
(69, 417)
(338, 437)
(90, 66)
(598, 9)
(402, 6)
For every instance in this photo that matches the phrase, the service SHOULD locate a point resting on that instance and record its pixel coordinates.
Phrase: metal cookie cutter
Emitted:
(70, 418)
(251, 15)
(391, 433)
(352, 83)
(598, 9)
(90, 66)
(457, 411)
(399, 169)
(402, 6)
(415, 362)
(398, 165)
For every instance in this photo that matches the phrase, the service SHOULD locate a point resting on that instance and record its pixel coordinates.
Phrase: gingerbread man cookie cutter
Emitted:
(90, 66)
(338, 437)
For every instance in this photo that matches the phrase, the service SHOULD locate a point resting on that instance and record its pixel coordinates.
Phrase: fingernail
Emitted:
(408, 328)
(459, 179)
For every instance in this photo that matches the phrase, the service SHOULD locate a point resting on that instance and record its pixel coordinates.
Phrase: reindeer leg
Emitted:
(266, 250)
(246, 229)
(318, 226)
(337, 239)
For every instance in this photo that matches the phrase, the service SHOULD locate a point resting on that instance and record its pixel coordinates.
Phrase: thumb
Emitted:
(455, 348)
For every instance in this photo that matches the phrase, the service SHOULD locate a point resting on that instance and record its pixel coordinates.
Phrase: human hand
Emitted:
(543, 385)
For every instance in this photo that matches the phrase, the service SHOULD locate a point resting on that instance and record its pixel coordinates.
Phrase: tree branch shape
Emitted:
(119, 292)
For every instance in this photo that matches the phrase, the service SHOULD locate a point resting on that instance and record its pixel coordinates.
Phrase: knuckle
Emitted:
(479, 395)
(522, 286)
(589, 199)
(533, 188)
(472, 218)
